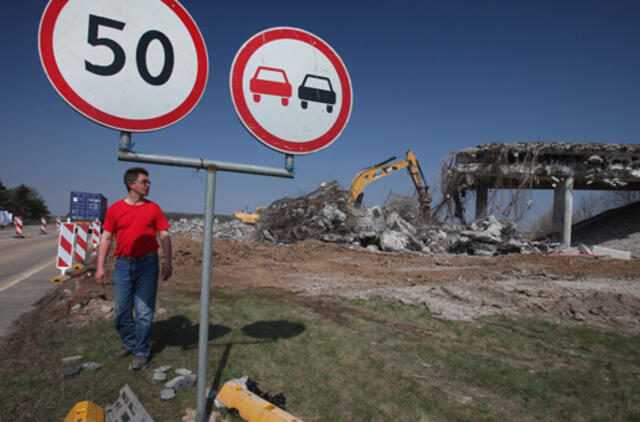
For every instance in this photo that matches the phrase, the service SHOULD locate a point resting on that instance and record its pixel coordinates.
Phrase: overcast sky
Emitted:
(432, 77)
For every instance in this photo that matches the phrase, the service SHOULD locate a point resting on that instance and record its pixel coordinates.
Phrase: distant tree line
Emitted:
(23, 201)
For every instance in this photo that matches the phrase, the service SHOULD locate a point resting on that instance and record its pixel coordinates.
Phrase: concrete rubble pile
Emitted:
(230, 229)
(323, 214)
(327, 215)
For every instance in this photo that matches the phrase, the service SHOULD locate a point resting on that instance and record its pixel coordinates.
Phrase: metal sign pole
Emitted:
(126, 153)
(205, 288)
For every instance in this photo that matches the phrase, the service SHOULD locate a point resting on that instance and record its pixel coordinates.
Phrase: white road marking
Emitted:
(18, 278)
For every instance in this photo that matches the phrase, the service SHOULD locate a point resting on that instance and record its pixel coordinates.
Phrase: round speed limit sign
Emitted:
(130, 65)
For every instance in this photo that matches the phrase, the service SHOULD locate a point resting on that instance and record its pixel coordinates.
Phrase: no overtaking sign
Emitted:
(291, 90)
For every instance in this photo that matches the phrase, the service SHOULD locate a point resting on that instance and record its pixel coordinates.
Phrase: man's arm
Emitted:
(103, 250)
(165, 240)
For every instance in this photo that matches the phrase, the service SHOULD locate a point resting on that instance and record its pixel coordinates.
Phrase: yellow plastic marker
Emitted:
(252, 408)
(85, 411)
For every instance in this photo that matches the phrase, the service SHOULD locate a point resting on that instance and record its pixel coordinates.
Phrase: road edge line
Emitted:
(18, 278)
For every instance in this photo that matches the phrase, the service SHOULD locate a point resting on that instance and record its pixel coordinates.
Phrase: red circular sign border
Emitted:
(45, 48)
(252, 125)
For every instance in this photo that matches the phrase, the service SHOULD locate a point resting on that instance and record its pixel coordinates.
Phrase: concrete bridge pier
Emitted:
(482, 193)
(563, 210)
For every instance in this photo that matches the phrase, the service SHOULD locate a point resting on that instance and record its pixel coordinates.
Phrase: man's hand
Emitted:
(101, 277)
(103, 250)
(167, 270)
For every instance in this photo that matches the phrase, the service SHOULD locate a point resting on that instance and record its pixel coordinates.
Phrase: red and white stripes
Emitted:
(65, 246)
(43, 225)
(81, 242)
(58, 223)
(95, 236)
(18, 222)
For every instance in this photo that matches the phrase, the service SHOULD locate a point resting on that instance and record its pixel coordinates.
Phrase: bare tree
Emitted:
(588, 206)
(622, 198)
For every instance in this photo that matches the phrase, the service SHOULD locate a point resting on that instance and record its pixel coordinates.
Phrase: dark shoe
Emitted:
(121, 353)
(138, 363)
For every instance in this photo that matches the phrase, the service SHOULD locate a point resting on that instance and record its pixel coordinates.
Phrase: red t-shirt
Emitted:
(135, 227)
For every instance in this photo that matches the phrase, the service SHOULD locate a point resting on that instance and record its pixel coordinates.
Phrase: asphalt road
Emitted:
(27, 266)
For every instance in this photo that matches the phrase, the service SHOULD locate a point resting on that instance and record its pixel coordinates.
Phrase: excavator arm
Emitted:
(371, 174)
(424, 197)
(378, 171)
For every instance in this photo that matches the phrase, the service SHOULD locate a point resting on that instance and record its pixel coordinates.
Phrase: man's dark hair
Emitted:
(131, 175)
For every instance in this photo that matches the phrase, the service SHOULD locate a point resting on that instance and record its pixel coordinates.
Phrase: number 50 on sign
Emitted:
(130, 65)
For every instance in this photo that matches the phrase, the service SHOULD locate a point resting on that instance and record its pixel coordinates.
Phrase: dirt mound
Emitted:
(457, 287)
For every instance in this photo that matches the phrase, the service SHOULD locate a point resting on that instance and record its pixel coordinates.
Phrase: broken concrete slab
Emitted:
(92, 366)
(182, 383)
(159, 376)
(163, 368)
(184, 371)
(126, 408)
(167, 393)
(393, 241)
(611, 253)
(71, 370)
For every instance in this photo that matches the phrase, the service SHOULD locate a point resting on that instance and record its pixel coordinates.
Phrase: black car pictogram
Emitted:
(317, 89)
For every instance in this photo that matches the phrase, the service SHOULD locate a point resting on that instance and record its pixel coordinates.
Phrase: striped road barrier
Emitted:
(81, 245)
(66, 243)
(95, 235)
(18, 222)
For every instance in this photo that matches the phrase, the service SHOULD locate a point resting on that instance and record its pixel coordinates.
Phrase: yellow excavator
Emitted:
(249, 218)
(385, 168)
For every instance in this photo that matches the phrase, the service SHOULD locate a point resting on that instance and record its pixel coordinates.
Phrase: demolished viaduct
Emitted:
(560, 166)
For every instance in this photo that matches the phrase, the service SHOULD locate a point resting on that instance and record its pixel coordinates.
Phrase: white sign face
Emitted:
(130, 65)
(291, 90)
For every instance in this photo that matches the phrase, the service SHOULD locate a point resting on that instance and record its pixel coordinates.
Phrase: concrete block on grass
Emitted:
(184, 371)
(167, 394)
(71, 370)
(71, 359)
(182, 383)
(159, 376)
(91, 366)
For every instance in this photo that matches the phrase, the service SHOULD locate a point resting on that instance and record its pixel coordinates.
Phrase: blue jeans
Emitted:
(136, 286)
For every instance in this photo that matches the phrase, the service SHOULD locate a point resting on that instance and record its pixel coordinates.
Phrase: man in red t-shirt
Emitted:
(136, 222)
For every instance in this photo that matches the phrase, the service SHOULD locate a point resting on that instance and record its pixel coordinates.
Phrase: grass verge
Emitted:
(351, 361)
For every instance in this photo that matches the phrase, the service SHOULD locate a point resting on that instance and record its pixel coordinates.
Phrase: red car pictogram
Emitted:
(270, 81)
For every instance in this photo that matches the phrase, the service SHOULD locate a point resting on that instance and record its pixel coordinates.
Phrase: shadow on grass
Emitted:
(265, 332)
(273, 330)
(179, 331)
